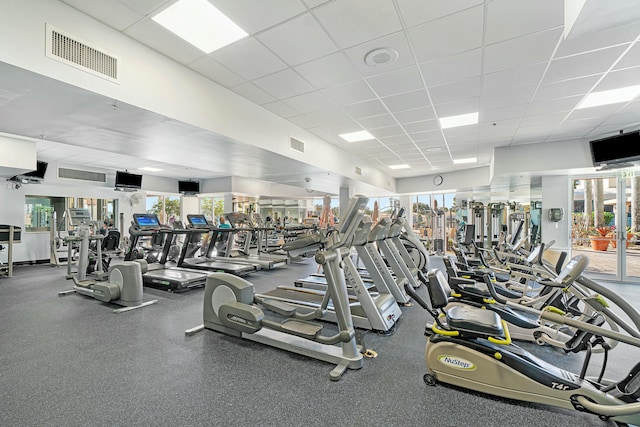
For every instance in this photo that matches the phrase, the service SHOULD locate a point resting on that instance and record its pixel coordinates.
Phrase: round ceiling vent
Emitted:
(381, 56)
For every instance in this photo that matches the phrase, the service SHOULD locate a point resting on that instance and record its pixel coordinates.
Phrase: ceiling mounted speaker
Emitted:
(381, 56)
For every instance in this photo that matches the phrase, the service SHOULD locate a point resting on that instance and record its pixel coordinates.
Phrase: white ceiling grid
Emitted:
(506, 59)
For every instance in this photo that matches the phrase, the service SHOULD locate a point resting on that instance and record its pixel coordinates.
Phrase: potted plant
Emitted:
(600, 238)
(614, 240)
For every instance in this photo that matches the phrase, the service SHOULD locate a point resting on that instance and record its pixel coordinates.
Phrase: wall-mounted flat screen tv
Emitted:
(621, 148)
(39, 172)
(129, 181)
(188, 187)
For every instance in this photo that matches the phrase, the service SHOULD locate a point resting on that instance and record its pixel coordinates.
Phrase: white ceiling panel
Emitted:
(505, 98)
(416, 12)
(425, 125)
(452, 68)
(598, 40)
(254, 16)
(310, 41)
(521, 51)
(457, 90)
(565, 88)
(357, 21)
(630, 59)
(375, 122)
(400, 138)
(303, 121)
(253, 93)
(373, 107)
(314, 3)
(391, 131)
(549, 120)
(414, 115)
(507, 19)
(216, 72)
(585, 64)
(328, 71)
(462, 106)
(115, 14)
(553, 105)
(284, 84)
(282, 109)
(443, 37)
(417, 99)
(336, 120)
(492, 115)
(349, 93)
(514, 78)
(309, 102)
(158, 38)
(397, 42)
(620, 78)
(248, 58)
(405, 80)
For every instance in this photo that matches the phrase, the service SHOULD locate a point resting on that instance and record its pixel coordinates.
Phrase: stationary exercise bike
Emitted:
(470, 347)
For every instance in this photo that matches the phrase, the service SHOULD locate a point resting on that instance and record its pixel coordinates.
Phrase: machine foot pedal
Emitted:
(303, 329)
(133, 307)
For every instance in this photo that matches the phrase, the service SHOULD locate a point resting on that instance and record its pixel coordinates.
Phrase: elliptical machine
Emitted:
(124, 284)
(471, 348)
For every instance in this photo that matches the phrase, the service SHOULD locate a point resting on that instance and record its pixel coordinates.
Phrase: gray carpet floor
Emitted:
(70, 361)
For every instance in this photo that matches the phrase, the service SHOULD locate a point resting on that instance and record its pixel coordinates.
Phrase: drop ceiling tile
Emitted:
(298, 40)
(620, 78)
(398, 81)
(153, 35)
(550, 120)
(624, 118)
(513, 78)
(396, 41)
(425, 125)
(253, 93)
(303, 121)
(430, 135)
(505, 98)
(414, 115)
(284, 84)
(594, 112)
(373, 19)
(630, 59)
(314, 3)
(282, 109)
(253, 16)
(395, 139)
(521, 51)
(582, 65)
(452, 68)
(328, 71)
(390, 131)
(381, 121)
(565, 88)
(336, 121)
(507, 19)
(373, 107)
(349, 93)
(463, 106)
(216, 72)
(492, 115)
(248, 58)
(416, 12)
(114, 14)
(444, 37)
(308, 102)
(451, 92)
(408, 101)
(598, 40)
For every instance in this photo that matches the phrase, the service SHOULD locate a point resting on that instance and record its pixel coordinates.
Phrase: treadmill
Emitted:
(227, 235)
(159, 275)
(198, 225)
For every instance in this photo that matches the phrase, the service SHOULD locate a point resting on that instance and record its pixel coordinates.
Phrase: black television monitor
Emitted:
(188, 187)
(621, 148)
(128, 180)
(39, 172)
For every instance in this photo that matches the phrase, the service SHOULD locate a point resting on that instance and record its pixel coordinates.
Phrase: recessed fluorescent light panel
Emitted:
(200, 24)
(149, 169)
(461, 120)
(403, 166)
(362, 135)
(467, 160)
(606, 97)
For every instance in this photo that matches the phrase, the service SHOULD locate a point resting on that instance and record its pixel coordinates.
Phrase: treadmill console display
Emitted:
(146, 221)
(197, 221)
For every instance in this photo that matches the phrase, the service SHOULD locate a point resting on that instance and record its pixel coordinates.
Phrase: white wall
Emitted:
(467, 178)
(556, 193)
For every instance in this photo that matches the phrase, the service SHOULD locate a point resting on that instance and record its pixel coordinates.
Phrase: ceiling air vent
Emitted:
(358, 171)
(71, 51)
(294, 144)
(81, 175)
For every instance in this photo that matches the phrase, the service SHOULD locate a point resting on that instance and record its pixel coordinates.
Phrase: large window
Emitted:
(212, 207)
(166, 207)
(40, 210)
